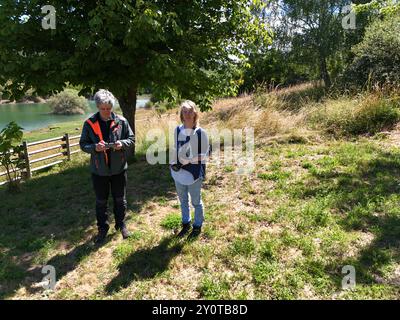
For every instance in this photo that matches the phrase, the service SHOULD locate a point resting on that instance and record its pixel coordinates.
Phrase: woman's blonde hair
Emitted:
(188, 104)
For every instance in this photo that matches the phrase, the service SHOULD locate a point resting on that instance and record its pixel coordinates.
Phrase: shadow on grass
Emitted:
(367, 200)
(56, 211)
(65, 263)
(376, 209)
(145, 264)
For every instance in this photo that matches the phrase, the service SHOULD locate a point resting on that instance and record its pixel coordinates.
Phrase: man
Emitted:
(108, 137)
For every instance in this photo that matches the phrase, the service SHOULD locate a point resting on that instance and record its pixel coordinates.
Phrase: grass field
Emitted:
(314, 203)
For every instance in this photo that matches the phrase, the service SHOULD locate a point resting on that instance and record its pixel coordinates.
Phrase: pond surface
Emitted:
(38, 115)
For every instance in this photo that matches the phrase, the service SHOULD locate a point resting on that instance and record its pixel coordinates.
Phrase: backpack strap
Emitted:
(178, 130)
(202, 165)
(198, 132)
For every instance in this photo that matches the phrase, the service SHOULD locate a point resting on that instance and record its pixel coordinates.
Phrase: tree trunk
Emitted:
(127, 103)
(324, 72)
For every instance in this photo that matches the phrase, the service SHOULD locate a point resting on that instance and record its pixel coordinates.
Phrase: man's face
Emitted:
(105, 110)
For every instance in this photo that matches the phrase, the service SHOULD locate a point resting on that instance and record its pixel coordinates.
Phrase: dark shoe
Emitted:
(194, 234)
(184, 231)
(101, 236)
(125, 232)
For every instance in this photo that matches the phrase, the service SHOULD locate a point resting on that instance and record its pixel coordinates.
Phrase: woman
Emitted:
(188, 167)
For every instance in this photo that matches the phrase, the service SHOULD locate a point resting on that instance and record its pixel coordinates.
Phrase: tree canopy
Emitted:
(190, 49)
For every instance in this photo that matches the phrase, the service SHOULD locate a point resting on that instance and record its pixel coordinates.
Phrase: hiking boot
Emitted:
(194, 234)
(125, 232)
(101, 236)
(184, 231)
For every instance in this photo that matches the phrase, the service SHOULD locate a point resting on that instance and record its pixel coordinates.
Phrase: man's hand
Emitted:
(101, 147)
(118, 145)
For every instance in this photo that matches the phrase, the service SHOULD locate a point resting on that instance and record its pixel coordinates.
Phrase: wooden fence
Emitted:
(40, 152)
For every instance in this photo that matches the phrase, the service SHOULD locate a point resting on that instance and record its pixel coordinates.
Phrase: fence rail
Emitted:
(65, 142)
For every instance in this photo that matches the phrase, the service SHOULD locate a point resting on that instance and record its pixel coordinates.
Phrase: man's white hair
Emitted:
(104, 97)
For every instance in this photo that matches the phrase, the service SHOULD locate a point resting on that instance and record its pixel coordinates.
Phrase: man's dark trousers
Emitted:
(102, 185)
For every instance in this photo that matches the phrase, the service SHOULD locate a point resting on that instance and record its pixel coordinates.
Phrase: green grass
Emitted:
(269, 250)
(229, 169)
(275, 176)
(284, 232)
(214, 289)
(56, 130)
(171, 221)
(9, 270)
(264, 271)
(243, 247)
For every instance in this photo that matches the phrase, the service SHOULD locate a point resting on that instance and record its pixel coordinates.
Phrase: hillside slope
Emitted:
(316, 202)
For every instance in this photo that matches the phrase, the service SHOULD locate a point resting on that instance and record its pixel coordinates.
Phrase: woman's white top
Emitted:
(188, 152)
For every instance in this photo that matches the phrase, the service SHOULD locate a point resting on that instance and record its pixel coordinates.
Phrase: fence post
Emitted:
(67, 145)
(27, 164)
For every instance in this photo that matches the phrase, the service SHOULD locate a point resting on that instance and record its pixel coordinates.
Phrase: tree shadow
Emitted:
(382, 251)
(366, 200)
(56, 211)
(381, 178)
(65, 263)
(145, 264)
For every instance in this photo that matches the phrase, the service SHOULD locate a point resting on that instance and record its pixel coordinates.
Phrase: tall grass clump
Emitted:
(368, 114)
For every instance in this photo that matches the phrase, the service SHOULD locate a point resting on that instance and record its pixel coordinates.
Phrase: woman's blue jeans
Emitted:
(195, 195)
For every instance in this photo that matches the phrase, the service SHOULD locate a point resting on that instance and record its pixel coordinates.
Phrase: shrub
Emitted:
(171, 105)
(377, 57)
(149, 104)
(10, 139)
(68, 102)
(154, 99)
(160, 109)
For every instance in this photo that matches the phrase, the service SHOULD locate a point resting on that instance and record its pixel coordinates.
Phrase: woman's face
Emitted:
(105, 110)
(188, 114)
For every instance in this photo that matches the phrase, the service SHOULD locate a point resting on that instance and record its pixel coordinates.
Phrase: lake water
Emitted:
(38, 115)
